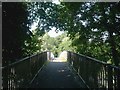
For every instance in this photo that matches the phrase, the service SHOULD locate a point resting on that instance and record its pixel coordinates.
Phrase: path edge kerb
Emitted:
(76, 74)
(38, 73)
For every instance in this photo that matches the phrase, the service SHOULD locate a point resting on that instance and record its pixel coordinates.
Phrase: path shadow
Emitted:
(56, 74)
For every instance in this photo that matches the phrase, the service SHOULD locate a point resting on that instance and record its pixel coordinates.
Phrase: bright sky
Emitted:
(52, 32)
(56, 1)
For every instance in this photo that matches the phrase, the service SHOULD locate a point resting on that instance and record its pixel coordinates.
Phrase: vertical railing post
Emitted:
(37, 61)
(110, 78)
(67, 56)
(70, 57)
(46, 56)
(5, 77)
(30, 67)
(49, 55)
(118, 78)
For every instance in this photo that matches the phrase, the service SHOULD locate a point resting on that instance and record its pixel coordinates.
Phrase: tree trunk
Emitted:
(113, 48)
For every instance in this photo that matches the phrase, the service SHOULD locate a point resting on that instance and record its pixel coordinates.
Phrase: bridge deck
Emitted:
(57, 75)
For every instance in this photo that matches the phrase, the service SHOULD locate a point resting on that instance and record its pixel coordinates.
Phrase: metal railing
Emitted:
(19, 74)
(95, 73)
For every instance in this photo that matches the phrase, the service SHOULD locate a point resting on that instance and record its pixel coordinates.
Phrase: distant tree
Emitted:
(33, 45)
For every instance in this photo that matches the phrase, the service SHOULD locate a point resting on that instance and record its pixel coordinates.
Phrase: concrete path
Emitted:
(57, 75)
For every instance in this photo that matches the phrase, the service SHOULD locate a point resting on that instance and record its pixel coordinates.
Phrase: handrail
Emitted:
(20, 60)
(20, 73)
(95, 73)
(90, 58)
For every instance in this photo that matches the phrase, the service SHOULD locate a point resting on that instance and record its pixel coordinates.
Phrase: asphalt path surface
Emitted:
(57, 75)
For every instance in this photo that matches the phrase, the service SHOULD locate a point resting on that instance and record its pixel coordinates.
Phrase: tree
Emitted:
(91, 27)
(33, 45)
(97, 26)
(15, 30)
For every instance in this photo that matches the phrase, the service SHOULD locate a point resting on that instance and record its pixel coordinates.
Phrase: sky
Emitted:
(51, 33)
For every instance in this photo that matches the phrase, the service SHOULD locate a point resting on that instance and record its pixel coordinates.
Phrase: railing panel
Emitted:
(96, 74)
(20, 73)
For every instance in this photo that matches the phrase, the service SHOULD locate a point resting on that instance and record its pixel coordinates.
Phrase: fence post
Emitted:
(5, 77)
(49, 55)
(30, 66)
(118, 78)
(110, 78)
(117, 72)
(70, 58)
